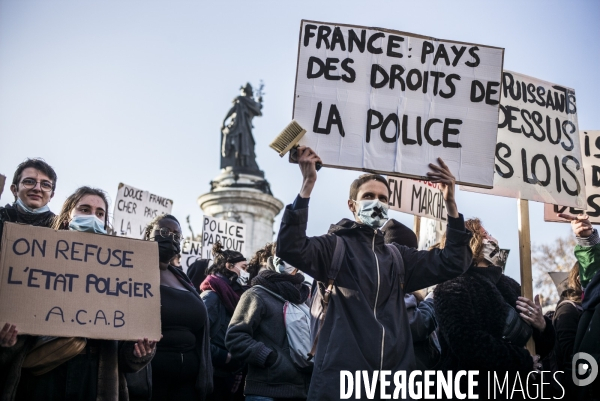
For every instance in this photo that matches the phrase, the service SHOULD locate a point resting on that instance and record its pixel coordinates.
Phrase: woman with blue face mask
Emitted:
(98, 371)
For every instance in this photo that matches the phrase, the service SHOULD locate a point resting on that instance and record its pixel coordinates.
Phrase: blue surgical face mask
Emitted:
(372, 212)
(27, 209)
(87, 223)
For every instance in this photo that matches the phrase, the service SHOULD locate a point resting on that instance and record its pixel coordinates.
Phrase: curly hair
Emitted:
(474, 225)
(61, 220)
(220, 259)
(260, 259)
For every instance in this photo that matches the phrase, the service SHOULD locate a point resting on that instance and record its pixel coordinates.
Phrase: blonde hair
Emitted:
(474, 225)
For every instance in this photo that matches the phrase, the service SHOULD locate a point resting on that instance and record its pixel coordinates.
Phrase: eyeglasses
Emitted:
(166, 233)
(30, 183)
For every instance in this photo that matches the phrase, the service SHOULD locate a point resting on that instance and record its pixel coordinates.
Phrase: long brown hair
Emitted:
(573, 291)
(474, 225)
(61, 220)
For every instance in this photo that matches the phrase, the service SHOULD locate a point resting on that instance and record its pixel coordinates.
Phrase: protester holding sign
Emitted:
(90, 369)
(366, 312)
(221, 291)
(479, 320)
(33, 186)
(181, 369)
(587, 252)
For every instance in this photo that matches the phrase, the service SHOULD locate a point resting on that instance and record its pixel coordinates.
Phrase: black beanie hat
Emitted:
(394, 231)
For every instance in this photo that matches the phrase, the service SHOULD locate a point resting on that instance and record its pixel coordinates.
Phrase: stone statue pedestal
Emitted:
(244, 197)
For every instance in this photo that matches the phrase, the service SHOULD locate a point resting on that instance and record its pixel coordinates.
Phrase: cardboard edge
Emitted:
(403, 175)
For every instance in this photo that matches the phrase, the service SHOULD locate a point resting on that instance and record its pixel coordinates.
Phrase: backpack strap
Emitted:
(332, 272)
(270, 292)
(397, 258)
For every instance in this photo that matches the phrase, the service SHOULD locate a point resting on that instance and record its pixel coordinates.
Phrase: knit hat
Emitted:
(394, 231)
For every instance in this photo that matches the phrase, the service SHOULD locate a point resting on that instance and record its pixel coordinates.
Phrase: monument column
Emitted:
(240, 192)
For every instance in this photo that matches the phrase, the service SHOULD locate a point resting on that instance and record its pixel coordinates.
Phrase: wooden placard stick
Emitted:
(525, 256)
(417, 226)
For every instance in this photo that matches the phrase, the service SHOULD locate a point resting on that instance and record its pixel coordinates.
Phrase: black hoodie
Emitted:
(367, 325)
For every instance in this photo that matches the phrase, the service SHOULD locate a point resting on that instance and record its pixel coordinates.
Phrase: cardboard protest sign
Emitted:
(538, 155)
(74, 284)
(135, 208)
(190, 252)
(2, 182)
(590, 152)
(419, 198)
(392, 102)
(230, 234)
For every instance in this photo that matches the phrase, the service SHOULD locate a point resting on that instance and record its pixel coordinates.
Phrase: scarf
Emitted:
(223, 289)
(289, 286)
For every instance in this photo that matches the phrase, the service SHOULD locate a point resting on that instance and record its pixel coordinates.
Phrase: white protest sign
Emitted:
(590, 149)
(190, 252)
(135, 208)
(392, 102)
(538, 156)
(431, 232)
(419, 198)
(230, 234)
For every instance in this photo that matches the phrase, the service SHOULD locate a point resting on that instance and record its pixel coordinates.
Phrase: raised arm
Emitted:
(310, 255)
(427, 268)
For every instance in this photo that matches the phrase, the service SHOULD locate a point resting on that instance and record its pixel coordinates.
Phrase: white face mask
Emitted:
(243, 277)
(491, 251)
(372, 212)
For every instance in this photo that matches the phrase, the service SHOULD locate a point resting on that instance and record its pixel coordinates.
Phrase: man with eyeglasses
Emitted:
(33, 186)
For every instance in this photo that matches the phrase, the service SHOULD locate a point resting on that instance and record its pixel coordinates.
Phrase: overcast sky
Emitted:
(135, 91)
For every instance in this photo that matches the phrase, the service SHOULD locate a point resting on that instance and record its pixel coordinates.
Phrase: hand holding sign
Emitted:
(307, 160)
(443, 176)
(580, 224)
(8, 335)
(144, 347)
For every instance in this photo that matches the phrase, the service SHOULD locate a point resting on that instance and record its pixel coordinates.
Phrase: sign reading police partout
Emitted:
(392, 102)
(73, 284)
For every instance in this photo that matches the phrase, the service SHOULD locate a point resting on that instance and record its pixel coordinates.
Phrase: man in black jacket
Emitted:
(367, 326)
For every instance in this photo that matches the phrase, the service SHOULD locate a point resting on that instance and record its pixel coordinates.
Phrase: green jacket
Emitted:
(587, 252)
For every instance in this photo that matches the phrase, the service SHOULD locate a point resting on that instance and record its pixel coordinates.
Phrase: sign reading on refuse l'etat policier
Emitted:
(74, 284)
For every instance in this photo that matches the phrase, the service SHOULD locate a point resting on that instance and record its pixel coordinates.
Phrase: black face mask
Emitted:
(167, 248)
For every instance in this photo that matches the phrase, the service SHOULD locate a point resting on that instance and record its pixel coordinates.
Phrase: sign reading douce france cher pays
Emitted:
(74, 284)
(392, 102)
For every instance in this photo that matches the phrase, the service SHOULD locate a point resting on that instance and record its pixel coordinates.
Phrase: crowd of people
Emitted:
(284, 324)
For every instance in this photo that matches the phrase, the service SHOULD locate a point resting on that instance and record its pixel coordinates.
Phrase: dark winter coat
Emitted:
(257, 328)
(367, 324)
(471, 316)
(115, 359)
(421, 317)
(219, 319)
(12, 214)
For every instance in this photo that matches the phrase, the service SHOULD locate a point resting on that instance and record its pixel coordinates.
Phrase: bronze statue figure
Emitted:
(237, 142)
